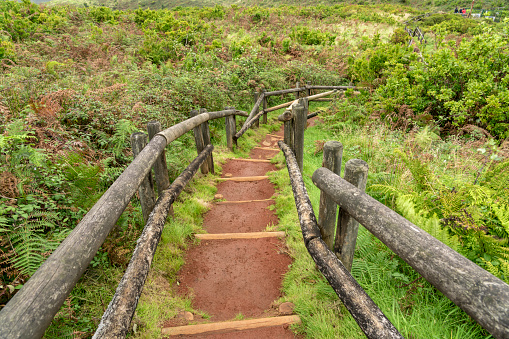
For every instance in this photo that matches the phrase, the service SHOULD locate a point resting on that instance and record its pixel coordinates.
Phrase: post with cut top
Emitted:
(356, 173)
(297, 94)
(288, 132)
(206, 141)
(146, 189)
(300, 114)
(256, 95)
(230, 125)
(198, 138)
(264, 107)
(332, 154)
(308, 90)
(160, 167)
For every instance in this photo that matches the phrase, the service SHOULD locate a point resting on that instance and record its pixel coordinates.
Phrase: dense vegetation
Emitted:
(75, 82)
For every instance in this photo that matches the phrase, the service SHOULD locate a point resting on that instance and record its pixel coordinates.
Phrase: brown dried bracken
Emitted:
(8, 185)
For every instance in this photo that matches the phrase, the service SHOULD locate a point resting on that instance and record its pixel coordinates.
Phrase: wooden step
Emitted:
(251, 160)
(241, 201)
(229, 326)
(250, 235)
(267, 148)
(254, 178)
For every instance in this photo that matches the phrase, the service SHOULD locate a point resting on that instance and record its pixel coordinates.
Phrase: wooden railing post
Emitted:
(160, 167)
(198, 138)
(264, 107)
(300, 114)
(288, 134)
(332, 154)
(256, 95)
(356, 173)
(297, 94)
(206, 141)
(231, 129)
(146, 189)
(308, 90)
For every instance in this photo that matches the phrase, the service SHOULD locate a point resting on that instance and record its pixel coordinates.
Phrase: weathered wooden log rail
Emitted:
(31, 310)
(476, 291)
(481, 295)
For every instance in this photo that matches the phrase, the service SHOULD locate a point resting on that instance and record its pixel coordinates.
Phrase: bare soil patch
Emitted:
(238, 218)
(240, 191)
(231, 277)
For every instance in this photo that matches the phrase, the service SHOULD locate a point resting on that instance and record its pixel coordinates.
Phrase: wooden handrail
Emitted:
(476, 291)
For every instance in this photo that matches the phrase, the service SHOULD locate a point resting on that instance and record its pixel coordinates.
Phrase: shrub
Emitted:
(307, 36)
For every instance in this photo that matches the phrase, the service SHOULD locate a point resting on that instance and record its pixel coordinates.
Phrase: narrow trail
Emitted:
(235, 273)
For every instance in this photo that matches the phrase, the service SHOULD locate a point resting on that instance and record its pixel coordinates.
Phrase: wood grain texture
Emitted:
(231, 325)
(255, 178)
(241, 201)
(250, 235)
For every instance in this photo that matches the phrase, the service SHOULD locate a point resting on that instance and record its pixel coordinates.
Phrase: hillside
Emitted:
(424, 6)
(75, 82)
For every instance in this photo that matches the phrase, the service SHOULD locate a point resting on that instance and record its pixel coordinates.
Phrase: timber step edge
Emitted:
(268, 148)
(242, 201)
(253, 178)
(230, 326)
(250, 235)
(250, 160)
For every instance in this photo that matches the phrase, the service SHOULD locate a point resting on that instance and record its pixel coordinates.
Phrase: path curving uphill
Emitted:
(236, 271)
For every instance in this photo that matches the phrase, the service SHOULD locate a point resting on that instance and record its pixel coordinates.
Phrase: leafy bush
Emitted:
(307, 36)
(7, 50)
(399, 36)
(456, 86)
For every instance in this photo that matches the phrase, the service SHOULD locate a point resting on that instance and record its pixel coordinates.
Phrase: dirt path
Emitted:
(235, 279)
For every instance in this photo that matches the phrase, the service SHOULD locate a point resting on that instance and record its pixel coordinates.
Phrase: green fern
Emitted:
(497, 178)
(30, 246)
(120, 139)
(429, 224)
(499, 269)
(420, 171)
(502, 213)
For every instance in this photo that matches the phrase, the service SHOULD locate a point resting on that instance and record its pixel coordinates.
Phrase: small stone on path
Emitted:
(266, 143)
(186, 316)
(218, 196)
(286, 308)
(228, 175)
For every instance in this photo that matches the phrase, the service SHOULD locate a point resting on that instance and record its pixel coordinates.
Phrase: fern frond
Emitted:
(384, 189)
(497, 177)
(29, 244)
(420, 171)
(430, 225)
(502, 213)
(493, 246)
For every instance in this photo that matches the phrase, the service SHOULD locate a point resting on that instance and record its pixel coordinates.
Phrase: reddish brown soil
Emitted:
(276, 332)
(246, 169)
(246, 190)
(262, 154)
(233, 218)
(226, 278)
